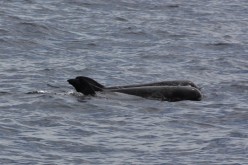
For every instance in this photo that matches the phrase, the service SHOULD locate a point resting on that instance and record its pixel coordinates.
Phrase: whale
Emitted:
(176, 90)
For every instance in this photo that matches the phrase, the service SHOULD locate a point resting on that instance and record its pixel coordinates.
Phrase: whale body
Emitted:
(165, 90)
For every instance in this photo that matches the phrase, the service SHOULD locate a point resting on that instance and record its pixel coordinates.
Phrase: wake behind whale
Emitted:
(165, 90)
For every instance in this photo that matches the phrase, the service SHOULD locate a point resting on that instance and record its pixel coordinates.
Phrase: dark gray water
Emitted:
(44, 43)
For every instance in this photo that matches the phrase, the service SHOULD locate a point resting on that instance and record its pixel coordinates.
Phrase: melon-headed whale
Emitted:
(165, 90)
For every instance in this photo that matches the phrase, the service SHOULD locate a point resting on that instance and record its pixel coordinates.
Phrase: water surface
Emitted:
(44, 43)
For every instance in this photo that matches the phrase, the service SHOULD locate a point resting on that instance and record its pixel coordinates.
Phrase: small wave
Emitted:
(134, 31)
(53, 86)
(121, 19)
(33, 25)
(242, 86)
(32, 28)
(217, 143)
(24, 43)
(237, 134)
(173, 6)
(73, 93)
(38, 92)
(221, 44)
(3, 31)
(2, 93)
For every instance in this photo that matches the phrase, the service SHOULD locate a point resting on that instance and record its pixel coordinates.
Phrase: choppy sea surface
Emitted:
(44, 43)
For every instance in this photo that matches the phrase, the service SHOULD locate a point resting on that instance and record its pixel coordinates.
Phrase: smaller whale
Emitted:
(165, 90)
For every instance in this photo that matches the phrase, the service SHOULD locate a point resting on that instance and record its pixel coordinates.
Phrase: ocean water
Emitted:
(44, 43)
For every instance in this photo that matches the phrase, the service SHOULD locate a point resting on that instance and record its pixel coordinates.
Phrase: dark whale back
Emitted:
(166, 90)
(162, 83)
(165, 93)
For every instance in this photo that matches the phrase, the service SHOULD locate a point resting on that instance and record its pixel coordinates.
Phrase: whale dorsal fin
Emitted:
(94, 84)
(82, 86)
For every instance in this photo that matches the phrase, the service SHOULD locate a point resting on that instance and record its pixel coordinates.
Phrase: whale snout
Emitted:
(196, 95)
